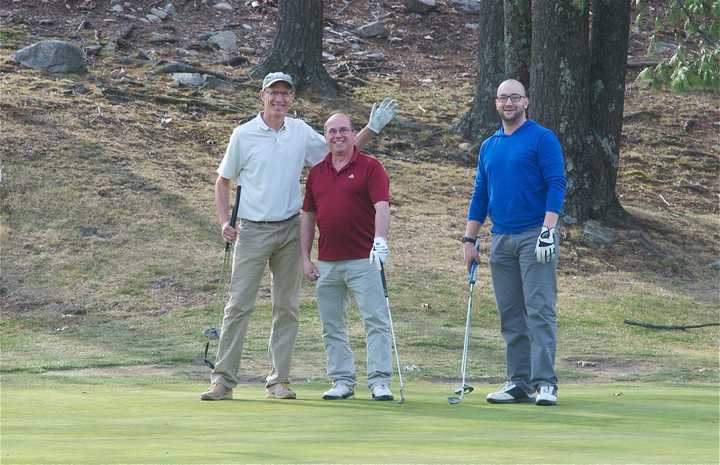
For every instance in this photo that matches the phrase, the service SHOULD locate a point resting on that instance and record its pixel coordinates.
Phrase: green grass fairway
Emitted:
(145, 421)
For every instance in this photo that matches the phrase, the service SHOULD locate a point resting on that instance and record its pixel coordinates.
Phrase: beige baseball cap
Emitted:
(272, 78)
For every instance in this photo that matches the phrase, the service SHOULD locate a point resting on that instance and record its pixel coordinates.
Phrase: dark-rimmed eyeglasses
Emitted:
(341, 131)
(514, 98)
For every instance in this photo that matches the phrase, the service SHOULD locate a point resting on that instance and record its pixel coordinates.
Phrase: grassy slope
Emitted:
(142, 287)
(131, 419)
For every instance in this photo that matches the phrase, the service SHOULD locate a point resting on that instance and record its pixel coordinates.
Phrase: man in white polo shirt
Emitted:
(266, 156)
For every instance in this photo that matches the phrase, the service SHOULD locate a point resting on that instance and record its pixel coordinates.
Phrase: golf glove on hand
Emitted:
(545, 247)
(380, 252)
(381, 114)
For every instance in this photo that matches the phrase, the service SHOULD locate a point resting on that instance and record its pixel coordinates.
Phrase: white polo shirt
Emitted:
(268, 165)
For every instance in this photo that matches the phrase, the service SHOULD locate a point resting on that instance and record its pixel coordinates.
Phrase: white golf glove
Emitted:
(381, 114)
(380, 252)
(545, 247)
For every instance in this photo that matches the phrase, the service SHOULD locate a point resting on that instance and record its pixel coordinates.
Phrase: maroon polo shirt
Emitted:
(344, 205)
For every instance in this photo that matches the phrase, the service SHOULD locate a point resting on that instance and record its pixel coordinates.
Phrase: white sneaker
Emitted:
(381, 392)
(338, 391)
(547, 395)
(509, 393)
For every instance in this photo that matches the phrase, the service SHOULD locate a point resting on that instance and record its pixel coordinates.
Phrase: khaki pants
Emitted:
(276, 243)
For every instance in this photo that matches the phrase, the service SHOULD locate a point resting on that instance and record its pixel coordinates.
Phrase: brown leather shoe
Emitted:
(279, 391)
(217, 391)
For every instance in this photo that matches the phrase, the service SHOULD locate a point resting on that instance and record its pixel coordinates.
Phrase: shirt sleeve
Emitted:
(552, 168)
(478, 208)
(309, 202)
(378, 183)
(231, 163)
(315, 146)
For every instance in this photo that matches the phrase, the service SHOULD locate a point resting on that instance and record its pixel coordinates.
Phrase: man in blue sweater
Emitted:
(520, 185)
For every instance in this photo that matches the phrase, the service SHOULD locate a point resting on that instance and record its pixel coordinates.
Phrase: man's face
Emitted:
(277, 99)
(339, 135)
(511, 111)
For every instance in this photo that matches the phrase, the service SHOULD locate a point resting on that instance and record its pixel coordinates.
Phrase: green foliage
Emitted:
(696, 61)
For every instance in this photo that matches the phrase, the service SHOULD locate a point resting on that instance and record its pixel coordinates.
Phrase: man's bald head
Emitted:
(511, 86)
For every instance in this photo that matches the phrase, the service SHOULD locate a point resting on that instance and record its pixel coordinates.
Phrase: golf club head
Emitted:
(211, 333)
(454, 400)
(465, 389)
(402, 398)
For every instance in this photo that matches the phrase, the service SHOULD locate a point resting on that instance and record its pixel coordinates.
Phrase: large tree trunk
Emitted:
(297, 49)
(518, 37)
(482, 119)
(609, 45)
(560, 97)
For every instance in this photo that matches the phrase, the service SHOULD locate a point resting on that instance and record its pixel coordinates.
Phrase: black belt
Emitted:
(272, 222)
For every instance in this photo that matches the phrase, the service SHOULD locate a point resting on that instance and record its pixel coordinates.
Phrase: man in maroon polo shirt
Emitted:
(347, 196)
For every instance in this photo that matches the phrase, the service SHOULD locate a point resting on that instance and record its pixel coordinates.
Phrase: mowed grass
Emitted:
(141, 420)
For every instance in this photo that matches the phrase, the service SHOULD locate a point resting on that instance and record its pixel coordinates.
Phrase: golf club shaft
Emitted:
(468, 323)
(392, 333)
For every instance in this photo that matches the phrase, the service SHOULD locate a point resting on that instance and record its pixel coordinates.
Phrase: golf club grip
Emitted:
(234, 214)
(382, 276)
(474, 264)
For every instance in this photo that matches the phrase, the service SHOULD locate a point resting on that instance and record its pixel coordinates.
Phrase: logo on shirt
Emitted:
(352, 176)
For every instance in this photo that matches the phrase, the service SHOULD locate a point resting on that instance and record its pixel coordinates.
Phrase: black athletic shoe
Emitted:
(509, 393)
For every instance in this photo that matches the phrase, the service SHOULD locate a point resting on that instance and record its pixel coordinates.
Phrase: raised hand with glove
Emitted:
(381, 114)
(545, 246)
(380, 252)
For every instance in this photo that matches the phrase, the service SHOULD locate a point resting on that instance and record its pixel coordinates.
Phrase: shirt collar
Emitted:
(328, 159)
(263, 126)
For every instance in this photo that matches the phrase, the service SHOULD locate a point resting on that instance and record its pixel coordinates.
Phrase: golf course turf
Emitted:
(141, 421)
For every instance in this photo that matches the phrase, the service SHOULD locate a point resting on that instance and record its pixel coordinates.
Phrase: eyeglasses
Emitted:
(277, 93)
(341, 131)
(514, 98)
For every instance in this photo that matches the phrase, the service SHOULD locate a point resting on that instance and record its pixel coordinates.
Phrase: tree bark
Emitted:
(518, 38)
(559, 96)
(297, 48)
(482, 119)
(609, 45)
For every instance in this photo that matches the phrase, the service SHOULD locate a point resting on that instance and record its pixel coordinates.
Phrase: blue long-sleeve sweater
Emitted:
(519, 178)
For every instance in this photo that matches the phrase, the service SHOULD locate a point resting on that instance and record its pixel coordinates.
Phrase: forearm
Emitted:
(551, 219)
(472, 228)
(307, 234)
(382, 219)
(222, 189)
(363, 137)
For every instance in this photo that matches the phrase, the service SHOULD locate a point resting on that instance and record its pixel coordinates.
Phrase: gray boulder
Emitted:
(420, 6)
(225, 40)
(471, 7)
(596, 235)
(53, 56)
(374, 29)
(189, 79)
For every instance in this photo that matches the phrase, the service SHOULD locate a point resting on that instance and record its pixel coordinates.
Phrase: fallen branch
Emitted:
(114, 93)
(668, 327)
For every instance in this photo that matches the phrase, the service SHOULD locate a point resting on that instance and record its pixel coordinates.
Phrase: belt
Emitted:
(272, 222)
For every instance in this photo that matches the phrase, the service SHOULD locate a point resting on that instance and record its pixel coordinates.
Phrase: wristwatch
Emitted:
(469, 239)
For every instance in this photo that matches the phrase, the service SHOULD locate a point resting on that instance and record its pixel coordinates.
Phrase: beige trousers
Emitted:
(276, 244)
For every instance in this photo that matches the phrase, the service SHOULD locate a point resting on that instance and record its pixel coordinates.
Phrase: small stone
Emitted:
(224, 6)
(420, 6)
(87, 232)
(189, 79)
(596, 235)
(464, 146)
(117, 8)
(374, 29)
(471, 7)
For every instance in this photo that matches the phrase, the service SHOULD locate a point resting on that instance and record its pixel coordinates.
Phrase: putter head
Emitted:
(402, 398)
(465, 389)
(454, 400)
(211, 333)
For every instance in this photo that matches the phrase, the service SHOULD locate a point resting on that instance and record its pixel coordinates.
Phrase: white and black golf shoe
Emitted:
(381, 392)
(547, 395)
(338, 391)
(509, 393)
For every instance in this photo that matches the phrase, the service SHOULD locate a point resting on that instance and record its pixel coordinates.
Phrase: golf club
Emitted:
(213, 333)
(465, 388)
(392, 333)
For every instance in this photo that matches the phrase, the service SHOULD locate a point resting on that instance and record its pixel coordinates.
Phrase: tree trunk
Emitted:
(609, 45)
(482, 119)
(518, 37)
(560, 99)
(297, 48)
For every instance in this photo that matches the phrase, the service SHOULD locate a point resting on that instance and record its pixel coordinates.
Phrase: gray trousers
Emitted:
(526, 293)
(337, 280)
